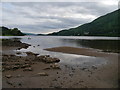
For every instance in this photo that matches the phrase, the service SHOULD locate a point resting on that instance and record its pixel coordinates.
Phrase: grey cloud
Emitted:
(49, 16)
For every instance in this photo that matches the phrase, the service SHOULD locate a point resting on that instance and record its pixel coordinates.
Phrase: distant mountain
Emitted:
(31, 34)
(41, 34)
(4, 31)
(106, 25)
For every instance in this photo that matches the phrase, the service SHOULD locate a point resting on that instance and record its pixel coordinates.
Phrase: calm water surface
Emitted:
(102, 43)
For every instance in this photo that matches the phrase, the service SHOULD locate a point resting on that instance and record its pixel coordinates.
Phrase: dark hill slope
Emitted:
(106, 25)
(4, 31)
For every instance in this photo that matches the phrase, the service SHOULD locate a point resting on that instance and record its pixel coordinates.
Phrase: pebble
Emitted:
(42, 74)
(8, 76)
(8, 82)
(28, 69)
(55, 66)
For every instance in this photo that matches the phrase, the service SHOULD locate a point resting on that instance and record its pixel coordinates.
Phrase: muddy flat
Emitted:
(78, 51)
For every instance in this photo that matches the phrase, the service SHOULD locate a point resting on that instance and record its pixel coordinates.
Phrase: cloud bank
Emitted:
(46, 17)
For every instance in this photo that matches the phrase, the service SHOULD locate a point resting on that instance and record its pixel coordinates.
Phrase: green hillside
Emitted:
(4, 31)
(106, 25)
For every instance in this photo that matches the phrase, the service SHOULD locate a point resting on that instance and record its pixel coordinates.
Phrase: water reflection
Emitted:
(71, 59)
(105, 45)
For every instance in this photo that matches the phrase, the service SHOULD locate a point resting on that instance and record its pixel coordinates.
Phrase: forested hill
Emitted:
(4, 31)
(106, 25)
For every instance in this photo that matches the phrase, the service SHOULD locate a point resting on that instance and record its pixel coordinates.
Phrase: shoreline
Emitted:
(24, 71)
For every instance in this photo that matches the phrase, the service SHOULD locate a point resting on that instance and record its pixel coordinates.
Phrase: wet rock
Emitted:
(3, 63)
(25, 65)
(47, 68)
(31, 53)
(83, 68)
(71, 74)
(55, 66)
(50, 60)
(8, 76)
(18, 53)
(7, 68)
(72, 68)
(57, 86)
(43, 56)
(28, 69)
(3, 69)
(19, 76)
(15, 67)
(55, 79)
(42, 74)
(8, 82)
(18, 63)
(11, 55)
(18, 48)
(81, 81)
(88, 75)
(94, 67)
(20, 84)
(29, 38)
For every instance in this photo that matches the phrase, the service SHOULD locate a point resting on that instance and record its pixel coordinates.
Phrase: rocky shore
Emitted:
(44, 71)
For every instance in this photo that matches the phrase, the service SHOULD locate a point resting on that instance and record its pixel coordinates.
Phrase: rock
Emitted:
(55, 66)
(25, 65)
(71, 74)
(47, 68)
(18, 52)
(16, 67)
(8, 76)
(3, 69)
(57, 86)
(20, 84)
(42, 74)
(50, 60)
(31, 53)
(8, 82)
(3, 63)
(18, 48)
(28, 69)
(29, 38)
(42, 57)
(7, 67)
(17, 63)
(54, 79)
(94, 67)
(19, 75)
(38, 45)
(11, 55)
(83, 68)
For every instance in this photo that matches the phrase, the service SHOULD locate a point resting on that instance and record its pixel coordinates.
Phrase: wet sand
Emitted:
(43, 75)
(79, 51)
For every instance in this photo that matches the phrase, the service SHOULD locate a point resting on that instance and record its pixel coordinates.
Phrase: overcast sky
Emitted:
(44, 17)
